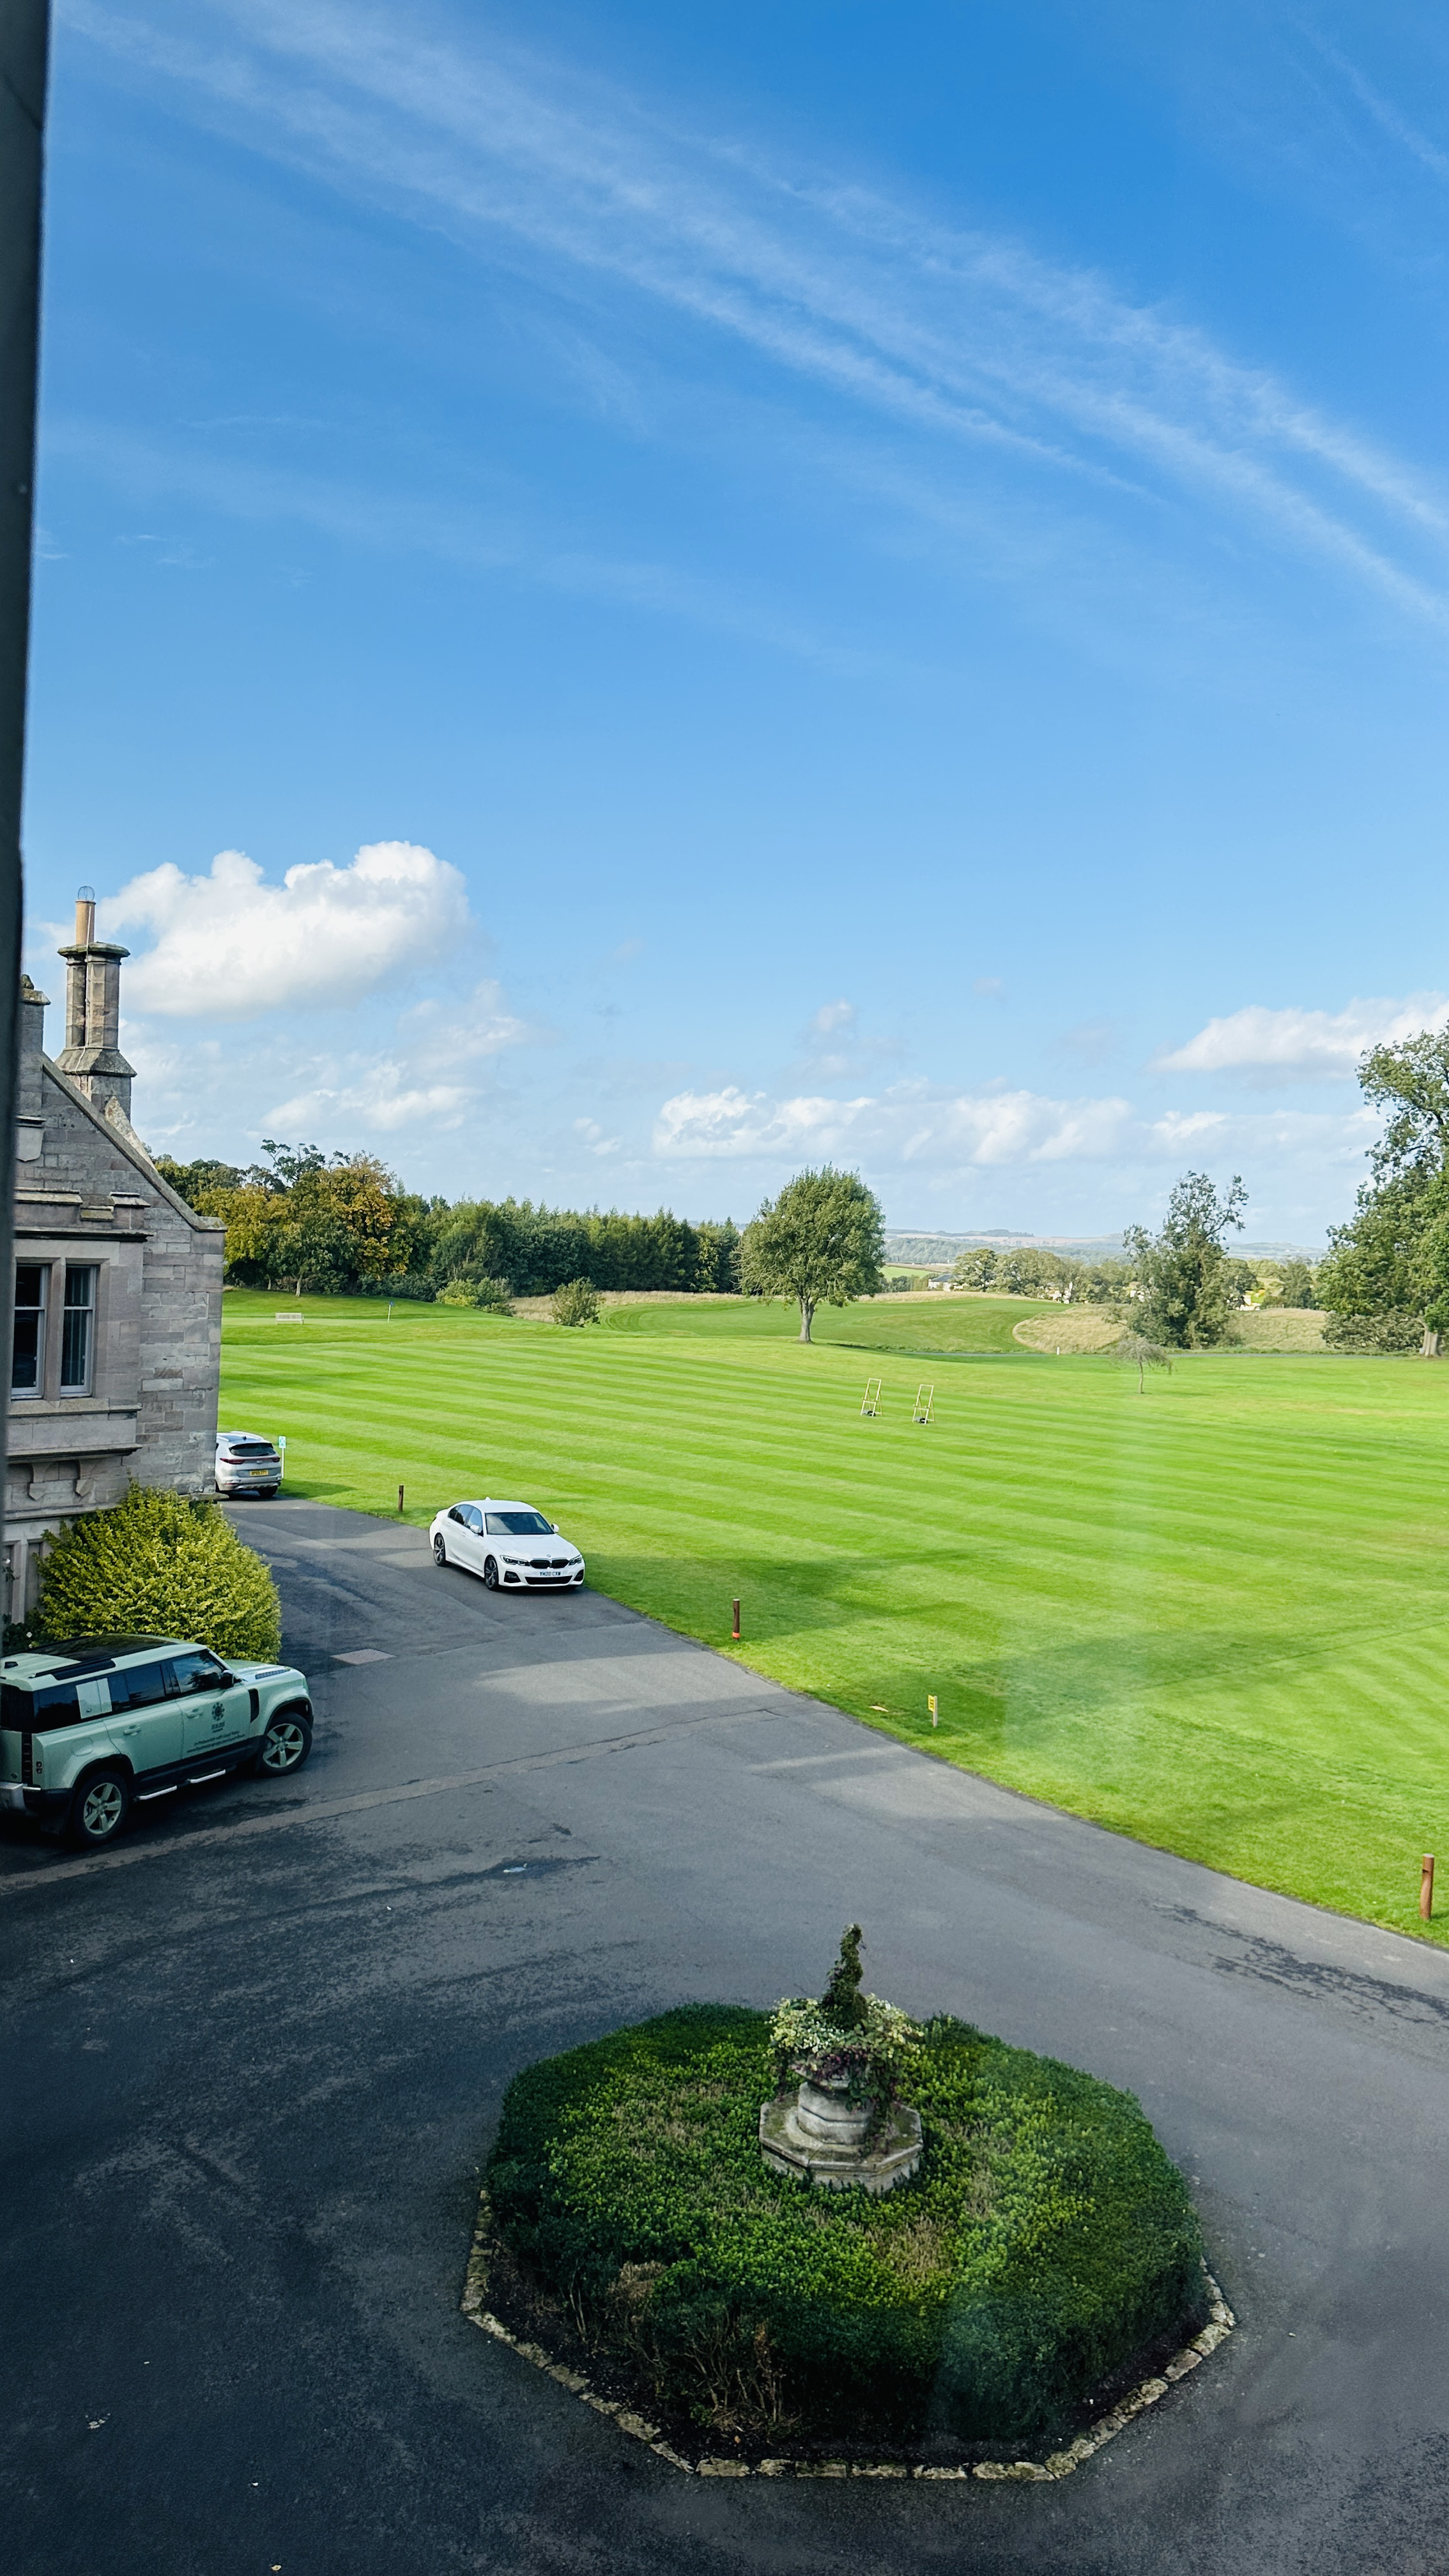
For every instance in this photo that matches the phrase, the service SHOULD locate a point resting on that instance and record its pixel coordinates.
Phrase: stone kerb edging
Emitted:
(1059, 2464)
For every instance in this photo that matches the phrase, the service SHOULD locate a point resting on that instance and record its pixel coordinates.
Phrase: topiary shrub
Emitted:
(1045, 2241)
(158, 1565)
(577, 1302)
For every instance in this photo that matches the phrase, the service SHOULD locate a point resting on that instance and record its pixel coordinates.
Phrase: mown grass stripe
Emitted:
(1216, 1616)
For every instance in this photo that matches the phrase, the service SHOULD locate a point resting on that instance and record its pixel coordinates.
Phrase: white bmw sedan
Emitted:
(511, 1545)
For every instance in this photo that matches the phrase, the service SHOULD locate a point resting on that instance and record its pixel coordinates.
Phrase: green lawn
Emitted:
(1215, 1616)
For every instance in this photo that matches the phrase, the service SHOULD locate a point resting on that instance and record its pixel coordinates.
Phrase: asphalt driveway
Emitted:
(253, 2056)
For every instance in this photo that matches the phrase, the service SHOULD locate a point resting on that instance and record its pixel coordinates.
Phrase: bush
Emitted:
(493, 1295)
(158, 1565)
(1393, 1331)
(1045, 2240)
(577, 1302)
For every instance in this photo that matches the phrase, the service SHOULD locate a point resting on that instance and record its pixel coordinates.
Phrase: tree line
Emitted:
(1223, 1283)
(300, 1220)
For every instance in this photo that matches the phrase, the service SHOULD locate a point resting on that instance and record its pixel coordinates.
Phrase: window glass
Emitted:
(142, 1684)
(60, 1704)
(196, 1673)
(77, 1328)
(27, 1350)
(519, 1525)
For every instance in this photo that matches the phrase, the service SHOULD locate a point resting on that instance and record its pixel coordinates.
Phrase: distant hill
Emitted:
(916, 1251)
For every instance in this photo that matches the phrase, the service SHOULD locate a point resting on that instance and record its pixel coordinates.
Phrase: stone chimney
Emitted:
(33, 1007)
(29, 1137)
(93, 1012)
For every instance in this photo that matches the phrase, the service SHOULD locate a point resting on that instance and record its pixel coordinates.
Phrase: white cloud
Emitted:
(595, 1137)
(910, 1123)
(483, 1027)
(383, 1099)
(915, 1129)
(424, 1074)
(1292, 1044)
(229, 946)
(832, 1018)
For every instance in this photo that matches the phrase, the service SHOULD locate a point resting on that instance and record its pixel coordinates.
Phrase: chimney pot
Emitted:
(85, 915)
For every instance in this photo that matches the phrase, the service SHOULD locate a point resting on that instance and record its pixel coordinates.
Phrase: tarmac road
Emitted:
(252, 2060)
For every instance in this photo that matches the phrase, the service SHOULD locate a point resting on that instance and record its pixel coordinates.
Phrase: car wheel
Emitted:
(99, 1809)
(440, 1553)
(285, 1745)
(490, 1572)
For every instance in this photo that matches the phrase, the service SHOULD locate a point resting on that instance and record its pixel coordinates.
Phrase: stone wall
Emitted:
(87, 1193)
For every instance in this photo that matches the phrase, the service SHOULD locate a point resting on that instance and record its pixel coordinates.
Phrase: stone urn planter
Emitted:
(818, 2134)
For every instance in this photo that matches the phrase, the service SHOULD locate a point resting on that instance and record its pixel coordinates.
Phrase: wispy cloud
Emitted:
(967, 337)
(401, 1080)
(1294, 1045)
(908, 1123)
(917, 1128)
(1389, 119)
(500, 539)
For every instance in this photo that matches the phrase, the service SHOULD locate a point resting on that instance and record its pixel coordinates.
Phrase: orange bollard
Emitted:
(1426, 1886)
(735, 1630)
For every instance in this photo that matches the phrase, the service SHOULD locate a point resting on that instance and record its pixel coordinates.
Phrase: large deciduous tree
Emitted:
(821, 1242)
(1392, 1260)
(1184, 1268)
(322, 1225)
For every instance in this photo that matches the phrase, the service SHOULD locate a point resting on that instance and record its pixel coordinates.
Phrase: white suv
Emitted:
(246, 1464)
(90, 1729)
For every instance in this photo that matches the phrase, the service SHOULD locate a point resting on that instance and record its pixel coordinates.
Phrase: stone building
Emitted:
(116, 1347)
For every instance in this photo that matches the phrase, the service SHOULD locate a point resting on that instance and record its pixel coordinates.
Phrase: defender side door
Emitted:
(216, 1712)
(145, 1722)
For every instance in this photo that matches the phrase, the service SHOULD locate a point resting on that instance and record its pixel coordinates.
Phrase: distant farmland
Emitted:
(1215, 1616)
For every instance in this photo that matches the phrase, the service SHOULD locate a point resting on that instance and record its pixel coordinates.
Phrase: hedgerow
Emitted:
(159, 1565)
(1045, 2239)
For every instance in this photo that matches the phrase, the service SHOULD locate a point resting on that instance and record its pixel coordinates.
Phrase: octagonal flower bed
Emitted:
(1044, 2248)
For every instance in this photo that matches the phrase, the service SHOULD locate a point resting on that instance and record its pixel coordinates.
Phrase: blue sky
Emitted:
(631, 598)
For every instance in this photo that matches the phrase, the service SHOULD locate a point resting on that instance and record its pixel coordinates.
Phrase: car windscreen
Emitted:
(519, 1525)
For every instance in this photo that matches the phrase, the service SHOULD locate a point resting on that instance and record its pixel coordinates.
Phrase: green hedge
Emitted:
(158, 1565)
(1394, 1330)
(1045, 2239)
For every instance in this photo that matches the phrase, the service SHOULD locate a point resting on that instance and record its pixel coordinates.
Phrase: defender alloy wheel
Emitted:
(99, 1809)
(285, 1744)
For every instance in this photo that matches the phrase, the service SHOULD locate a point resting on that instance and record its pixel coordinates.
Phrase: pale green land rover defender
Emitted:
(91, 1729)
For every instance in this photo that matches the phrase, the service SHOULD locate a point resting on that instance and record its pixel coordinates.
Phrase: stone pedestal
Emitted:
(820, 2136)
